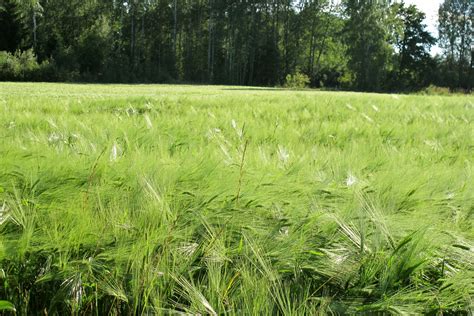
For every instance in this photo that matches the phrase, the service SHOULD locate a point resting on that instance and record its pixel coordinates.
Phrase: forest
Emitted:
(349, 45)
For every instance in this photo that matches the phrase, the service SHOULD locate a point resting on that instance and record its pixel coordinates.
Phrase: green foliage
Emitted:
(297, 80)
(413, 64)
(368, 51)
(348, 44)
(147, 199)
(7, 306)
(435, 90)
(93, 48)
(23, 66)
(456, 37)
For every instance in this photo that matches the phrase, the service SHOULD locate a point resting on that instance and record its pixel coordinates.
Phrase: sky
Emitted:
(430, 7)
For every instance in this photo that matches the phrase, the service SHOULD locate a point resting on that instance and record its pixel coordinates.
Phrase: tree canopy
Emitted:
(351, 44)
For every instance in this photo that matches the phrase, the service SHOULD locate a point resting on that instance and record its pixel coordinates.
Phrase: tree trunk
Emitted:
(175, 22)
(311, 48)
(132, 37)
(462, 51)
(323, 43)
(210, 48)
(34, 30)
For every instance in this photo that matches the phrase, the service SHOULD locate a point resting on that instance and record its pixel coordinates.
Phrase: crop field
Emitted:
(213, 200)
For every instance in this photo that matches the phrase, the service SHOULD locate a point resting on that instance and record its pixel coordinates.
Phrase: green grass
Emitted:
(150, 199)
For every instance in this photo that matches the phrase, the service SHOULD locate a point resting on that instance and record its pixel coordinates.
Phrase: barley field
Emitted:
(212, 200)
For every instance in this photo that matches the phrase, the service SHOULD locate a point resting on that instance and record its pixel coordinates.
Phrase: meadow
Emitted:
(161, 199)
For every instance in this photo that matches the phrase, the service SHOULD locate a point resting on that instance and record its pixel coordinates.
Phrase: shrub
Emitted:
(23, 66)
(297, 80)
(436, 90)
(9, 66)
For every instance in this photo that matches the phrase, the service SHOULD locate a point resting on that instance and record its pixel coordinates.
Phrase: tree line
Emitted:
(365, 45)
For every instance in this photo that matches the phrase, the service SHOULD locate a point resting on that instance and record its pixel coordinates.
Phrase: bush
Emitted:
(297, 80)
(435, 90)
(23, 66)
(9, 66)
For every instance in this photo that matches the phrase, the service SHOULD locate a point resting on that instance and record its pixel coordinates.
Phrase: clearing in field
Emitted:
(151, 199)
